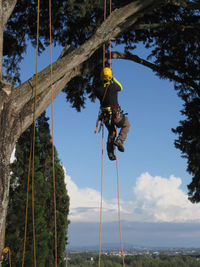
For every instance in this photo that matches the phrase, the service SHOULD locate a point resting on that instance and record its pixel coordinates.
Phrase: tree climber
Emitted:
(111, 113)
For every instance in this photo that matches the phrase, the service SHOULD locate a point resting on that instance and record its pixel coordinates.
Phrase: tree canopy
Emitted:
(167, 29)
(169, 33)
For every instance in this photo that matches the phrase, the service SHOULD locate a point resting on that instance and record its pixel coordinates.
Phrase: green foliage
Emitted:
(169, 34)
(189, 144)
(162, 260)
(43, 201)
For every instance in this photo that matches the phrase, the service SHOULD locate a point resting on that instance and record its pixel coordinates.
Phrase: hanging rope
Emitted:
(104, 46)
(27, 194)
(120, 231)
(34, 130)
(110, 46)
(54, 183)
(99, 262)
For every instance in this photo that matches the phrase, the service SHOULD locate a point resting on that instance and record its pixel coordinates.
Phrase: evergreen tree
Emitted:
(43, 201)
(169, 34)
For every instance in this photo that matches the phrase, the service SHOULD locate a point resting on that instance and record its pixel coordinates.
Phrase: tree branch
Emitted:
(173, 24)
(184, 4)
(69, 66)
(135, 58)
(7, 7)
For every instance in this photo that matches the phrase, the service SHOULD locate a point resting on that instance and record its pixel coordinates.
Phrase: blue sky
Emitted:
(152, 174)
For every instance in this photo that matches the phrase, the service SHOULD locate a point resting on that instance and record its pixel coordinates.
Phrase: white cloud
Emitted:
(85, 203)
(160, 199)
(155, 199)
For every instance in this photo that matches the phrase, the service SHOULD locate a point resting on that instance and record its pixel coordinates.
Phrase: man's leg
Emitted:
(110, 141)
(122, 134)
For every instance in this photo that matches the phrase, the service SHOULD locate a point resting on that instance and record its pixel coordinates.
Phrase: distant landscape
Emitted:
(132, 249)
(133, 256)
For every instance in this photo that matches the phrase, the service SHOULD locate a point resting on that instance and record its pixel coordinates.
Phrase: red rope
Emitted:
(104, 46)
(34, 132)
(54, 182)
(119, 208)
(101, 199)
(99, 262)
(110, 46)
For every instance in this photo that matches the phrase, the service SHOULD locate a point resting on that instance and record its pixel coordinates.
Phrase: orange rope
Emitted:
(28, 181)
(101, 198)
(34, 130)
(54, 183)
(104, 46)
(110, 46)
(119, 208)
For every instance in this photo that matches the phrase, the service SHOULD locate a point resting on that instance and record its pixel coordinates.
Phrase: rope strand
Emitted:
(101, 198)
(27, 194)
(120, 231)
(104, 46)
(110, 46)
(34, 130)
(53, 162)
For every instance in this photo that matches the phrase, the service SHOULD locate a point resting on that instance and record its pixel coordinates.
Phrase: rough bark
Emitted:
(1, 38)
(17, 108)
(6, 9)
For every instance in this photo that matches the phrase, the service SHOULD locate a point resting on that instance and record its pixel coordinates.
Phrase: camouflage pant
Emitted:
(124, 125)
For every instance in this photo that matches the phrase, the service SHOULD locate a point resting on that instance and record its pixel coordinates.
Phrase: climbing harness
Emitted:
(110, 116)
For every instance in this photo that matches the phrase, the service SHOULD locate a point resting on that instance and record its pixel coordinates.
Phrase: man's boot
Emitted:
(111, 156)
(119, 145)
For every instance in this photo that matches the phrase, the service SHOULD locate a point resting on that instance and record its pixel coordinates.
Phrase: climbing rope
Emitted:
(101, 208)
(32, 156)
(120, 231)
(104, 46)
(110, 45)
(54, 183)
(32, 149)
(99, 262)
(26, 216)
(34, 130)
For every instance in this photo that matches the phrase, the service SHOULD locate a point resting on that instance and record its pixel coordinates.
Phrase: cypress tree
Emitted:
(43, 201)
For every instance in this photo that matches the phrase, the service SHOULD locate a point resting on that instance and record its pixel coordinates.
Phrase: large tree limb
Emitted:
(185, 4)
(69, 66)
(7, 9)
(137, 59)
(174, 24)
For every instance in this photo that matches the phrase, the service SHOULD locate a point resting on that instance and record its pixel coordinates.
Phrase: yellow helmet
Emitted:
(106, 74)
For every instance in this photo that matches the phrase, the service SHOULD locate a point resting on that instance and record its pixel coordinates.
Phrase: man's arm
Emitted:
(118, 83)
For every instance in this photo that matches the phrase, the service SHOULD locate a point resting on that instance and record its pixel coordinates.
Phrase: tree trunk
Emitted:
(6, 9)
(6, 148)
(16, 113)
(1, 39)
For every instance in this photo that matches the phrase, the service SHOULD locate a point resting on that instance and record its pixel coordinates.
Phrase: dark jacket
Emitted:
(111, 97)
